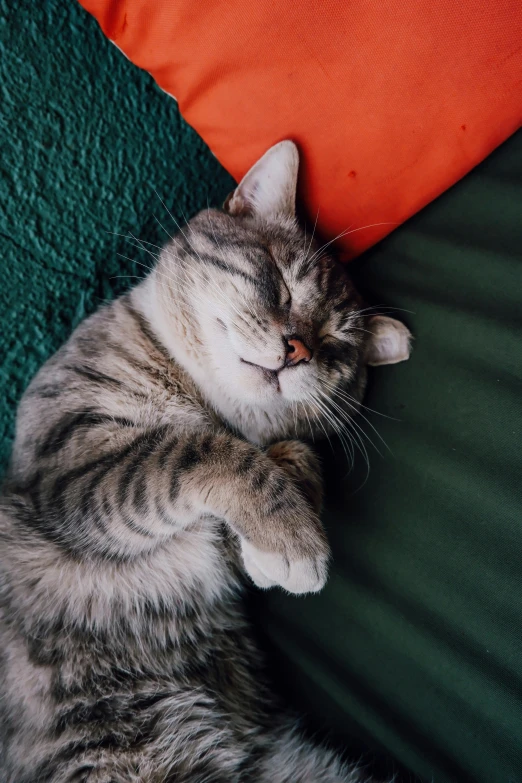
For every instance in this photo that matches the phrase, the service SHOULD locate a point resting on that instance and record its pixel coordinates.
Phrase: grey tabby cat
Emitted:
(158, 458)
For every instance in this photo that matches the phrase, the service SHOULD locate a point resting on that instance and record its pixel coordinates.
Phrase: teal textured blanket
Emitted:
(88, 141)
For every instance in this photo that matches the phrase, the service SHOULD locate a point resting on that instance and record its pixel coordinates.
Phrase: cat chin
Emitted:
(295, 383)
(257, 385)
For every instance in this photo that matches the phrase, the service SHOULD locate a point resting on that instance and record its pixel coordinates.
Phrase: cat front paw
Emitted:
(282, 539)
(296, 575)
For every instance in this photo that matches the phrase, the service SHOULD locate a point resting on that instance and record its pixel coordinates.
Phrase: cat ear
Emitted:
(389, 342)
(268, 189)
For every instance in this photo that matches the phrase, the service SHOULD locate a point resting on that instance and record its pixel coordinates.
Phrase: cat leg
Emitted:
(105, 487)
(109, 489)
(302, 466)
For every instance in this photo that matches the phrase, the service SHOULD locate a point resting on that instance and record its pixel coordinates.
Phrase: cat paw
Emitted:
(297, 576)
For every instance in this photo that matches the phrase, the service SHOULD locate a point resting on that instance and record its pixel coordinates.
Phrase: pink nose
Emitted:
(296, 352)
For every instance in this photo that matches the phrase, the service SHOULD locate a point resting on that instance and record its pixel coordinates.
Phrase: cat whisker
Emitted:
(342, 393)
(341, 431)
(141, 244)
(337, 427)
(344, 233)
(350, 328)
(305, 412)
(388, 309)
(161, 279)
(160, 224)
(341, 422)
(180, 229)
(313, 234)
(148, 268)
(126, 236)
(355, 427)
(294, 413)
(313, 403)
(134, 261)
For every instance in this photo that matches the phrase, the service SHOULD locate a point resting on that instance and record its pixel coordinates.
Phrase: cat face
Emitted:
(280, 323)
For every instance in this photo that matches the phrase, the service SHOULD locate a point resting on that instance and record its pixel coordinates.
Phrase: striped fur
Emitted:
(157, 458)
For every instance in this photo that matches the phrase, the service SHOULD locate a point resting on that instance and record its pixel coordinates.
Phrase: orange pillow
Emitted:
(389, 102)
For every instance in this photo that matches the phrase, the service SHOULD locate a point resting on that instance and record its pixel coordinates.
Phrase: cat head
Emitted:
(275, 329)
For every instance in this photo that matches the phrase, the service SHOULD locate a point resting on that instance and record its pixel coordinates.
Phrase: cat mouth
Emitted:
(271, 376)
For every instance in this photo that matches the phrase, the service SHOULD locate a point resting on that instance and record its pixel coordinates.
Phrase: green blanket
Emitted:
(415, 645)
(418, 635)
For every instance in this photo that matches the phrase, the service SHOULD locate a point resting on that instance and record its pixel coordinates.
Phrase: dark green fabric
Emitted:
(417, 637)
(415, 645)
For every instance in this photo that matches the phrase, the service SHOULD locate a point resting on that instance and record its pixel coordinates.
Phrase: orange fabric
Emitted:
(389, 101)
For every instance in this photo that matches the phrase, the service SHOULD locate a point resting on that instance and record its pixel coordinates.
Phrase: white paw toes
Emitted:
(267, 569)
(255, 574)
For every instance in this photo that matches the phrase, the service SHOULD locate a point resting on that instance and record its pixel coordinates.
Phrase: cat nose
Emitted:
(296, 351)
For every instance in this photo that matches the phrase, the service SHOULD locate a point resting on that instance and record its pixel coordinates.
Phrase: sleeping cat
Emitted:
(158, 458)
